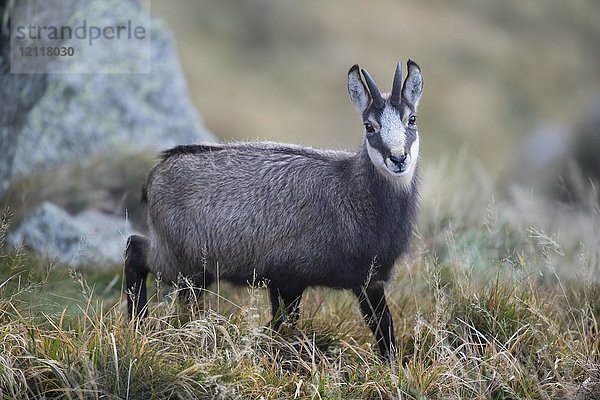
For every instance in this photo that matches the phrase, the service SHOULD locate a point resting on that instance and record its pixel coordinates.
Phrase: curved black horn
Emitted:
(375, 93)
(396, 95)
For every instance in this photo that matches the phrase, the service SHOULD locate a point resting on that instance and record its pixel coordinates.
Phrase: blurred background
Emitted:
(494, 72)
(509, 119)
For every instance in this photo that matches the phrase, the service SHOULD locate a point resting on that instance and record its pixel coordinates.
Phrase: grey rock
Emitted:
(48, 120)
(90, 238)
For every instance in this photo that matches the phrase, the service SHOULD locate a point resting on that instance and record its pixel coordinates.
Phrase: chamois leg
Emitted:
(377, 316)
(285, 305)
(136, 271)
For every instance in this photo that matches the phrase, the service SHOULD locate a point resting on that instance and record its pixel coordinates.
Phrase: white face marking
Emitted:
(401, 180)
(377, 160)
(393, 133)
(406, 178)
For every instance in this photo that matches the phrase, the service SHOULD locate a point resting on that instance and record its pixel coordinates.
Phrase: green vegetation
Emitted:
(487, 306)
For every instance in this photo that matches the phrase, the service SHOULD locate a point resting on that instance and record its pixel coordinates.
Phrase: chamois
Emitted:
(289, 216)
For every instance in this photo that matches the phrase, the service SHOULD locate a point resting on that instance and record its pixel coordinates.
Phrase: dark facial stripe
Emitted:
(373, 113)
(376, 143)
(374, 139)
(411, 136)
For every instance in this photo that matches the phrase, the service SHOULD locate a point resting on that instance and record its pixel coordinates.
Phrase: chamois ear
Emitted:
(413, 85)
(357, 90)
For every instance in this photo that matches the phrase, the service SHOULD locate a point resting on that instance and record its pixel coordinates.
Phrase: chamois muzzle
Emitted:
(400, 162)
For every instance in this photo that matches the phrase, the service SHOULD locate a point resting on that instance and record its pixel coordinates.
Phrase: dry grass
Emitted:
(488, 306)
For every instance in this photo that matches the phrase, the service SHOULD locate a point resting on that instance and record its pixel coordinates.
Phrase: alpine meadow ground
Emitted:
(499, 299)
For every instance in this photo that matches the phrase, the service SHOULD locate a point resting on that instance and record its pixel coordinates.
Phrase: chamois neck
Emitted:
(373, 178)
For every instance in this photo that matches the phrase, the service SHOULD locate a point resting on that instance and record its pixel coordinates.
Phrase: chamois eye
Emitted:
(369, 127)
(412, 120)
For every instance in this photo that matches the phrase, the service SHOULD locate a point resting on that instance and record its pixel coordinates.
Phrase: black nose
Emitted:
(398, 160)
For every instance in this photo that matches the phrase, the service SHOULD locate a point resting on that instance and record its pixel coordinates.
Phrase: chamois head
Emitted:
(390, 120)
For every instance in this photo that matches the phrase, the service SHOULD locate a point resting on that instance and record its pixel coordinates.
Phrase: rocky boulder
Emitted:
(88, 238)
(48, 120)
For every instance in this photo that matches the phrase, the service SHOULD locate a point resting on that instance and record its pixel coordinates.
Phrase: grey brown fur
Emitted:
(289, 216)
